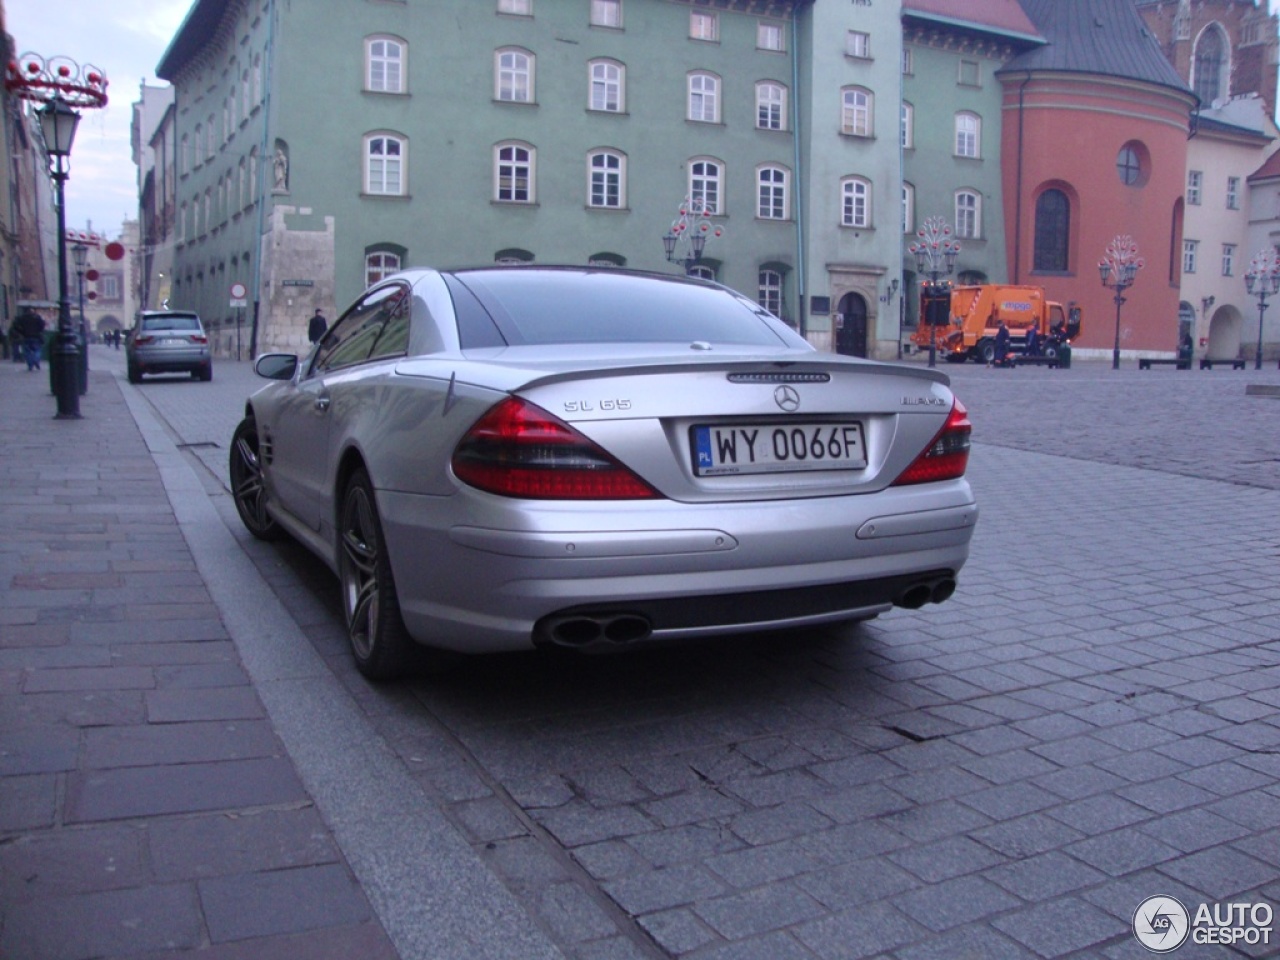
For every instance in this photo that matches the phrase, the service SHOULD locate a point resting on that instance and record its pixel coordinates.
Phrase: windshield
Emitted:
(179, 321)
(530, 306)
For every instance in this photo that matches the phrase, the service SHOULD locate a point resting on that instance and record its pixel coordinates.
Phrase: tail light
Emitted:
(141, 340)
(199, 338)
(519, 450)
(947, 455)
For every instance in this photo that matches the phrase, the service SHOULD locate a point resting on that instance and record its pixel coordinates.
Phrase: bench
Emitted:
(1144, 363)
(1021, 359)
(1207, 364)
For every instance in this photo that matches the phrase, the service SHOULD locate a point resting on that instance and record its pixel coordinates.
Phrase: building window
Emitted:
(379, 266)
(513, 173)
(771, 182)
(704, 97)
(110, 287)
(520, 8)
(968, 135)
(1189, 249)
(1129, 165)
(384, 165)
(184, 155)
(1228, 259)
(606, 13)
(1194, 180)
(908, 61)
(514, 76)
(1210, 59)
(1052, 231)
(606, 174)
(855, 116)
(704, 184)
(855, 202)
(908, 208)
(769, 291)
(210, 143)
(703, 26)
(1233, 193)
(858, 44)
(607, 86)
(970, 74)
(968, 214)
(769, 35)
(385, 60)
(908, 122)
(702, 272)
(771, 105)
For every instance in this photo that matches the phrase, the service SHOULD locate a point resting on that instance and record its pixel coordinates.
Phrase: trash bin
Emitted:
(1064, 356)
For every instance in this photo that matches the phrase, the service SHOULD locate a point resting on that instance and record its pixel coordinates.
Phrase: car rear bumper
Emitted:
(172, 361)
(480, 587)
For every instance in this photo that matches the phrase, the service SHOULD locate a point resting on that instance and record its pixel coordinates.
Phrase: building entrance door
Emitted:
(851, 326)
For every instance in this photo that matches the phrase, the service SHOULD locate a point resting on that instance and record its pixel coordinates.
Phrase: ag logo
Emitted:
(1161, 924)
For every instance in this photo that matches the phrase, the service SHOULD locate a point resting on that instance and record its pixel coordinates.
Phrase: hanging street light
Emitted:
(935, 252)
(1119, 268)
(1262, 280)
(687, 237)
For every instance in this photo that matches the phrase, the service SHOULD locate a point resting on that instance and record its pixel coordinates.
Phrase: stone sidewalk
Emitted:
(147, 806)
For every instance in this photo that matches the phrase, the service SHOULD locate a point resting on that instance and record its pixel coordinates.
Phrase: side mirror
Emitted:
(276, 366)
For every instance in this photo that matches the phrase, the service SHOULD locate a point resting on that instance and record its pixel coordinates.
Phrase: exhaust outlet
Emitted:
(586, 629)
(915, 596)
(942, 590)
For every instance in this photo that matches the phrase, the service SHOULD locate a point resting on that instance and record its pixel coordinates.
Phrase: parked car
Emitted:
(168, 341)
(509, 457)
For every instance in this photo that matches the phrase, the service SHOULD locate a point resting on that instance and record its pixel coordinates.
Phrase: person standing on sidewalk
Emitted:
(30, 329)
(317, 327)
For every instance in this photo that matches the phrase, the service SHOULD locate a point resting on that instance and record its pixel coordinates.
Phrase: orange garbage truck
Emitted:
(975, 315)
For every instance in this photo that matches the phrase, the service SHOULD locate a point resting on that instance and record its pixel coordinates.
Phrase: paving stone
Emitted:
(945, 859)
(56, 864)
(285, 901)
(1219, 872)
(774, 907)
(677, 931)
(572, 915)
(146, 745)
(954, 902)
(1058, 928)
(188, 706)
(675, 886)
(246, 841)
(1044, 876)
(860, 932)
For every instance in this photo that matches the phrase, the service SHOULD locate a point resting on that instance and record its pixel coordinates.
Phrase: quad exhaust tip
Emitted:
(585, 629)
(926, 591)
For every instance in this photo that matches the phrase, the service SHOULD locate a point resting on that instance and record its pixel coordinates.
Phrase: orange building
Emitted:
(1094, 145)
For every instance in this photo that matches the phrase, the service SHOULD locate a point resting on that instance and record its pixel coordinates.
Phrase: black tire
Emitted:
(985, 351)
(248, 488)
(1050, 351)
(205, 373)
(380, 642)
(135, 376)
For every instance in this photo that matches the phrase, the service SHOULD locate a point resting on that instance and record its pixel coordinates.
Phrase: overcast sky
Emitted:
(124, 38)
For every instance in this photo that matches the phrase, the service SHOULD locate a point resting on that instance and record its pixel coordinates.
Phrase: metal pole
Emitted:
(82, 368)
(1115, 351)
(63, 362)
(1262, 308)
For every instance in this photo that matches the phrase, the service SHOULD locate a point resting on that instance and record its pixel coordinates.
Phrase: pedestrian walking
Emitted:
(30, 329)
(317, 327)
(1032, 348)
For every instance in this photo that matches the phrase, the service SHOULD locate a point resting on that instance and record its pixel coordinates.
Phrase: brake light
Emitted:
(517, 449)
(947, 455)
(199, 338)
(140, 340)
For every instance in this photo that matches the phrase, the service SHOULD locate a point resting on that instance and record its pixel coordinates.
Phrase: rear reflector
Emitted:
(947, 455)
(517, 449)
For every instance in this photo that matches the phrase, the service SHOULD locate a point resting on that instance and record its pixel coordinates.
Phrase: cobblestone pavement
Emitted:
(1092, 720)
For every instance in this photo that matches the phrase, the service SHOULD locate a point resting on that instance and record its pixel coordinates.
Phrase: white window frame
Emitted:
(773, 192)
(379, 265)
(857, 105)
(968, 214)
(908, 123)
(908, 207)
(1190, 250)
(704, 25)
(770, 36)
(383, 176)
(1233, 193)
(855, 203)
(1228, 259)
(1195, 185)
(706, 183)
(517, 8)
(968, 137)
(606, 168)
(606, 86)
(703, 99)
(771, 105)
(908, 61)
(606, 13)
(387, 56)
(857, 44)
(769, 288)
(513, 75)
(521, 160)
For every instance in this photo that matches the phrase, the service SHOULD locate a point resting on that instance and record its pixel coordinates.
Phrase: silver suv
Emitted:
(168, 341)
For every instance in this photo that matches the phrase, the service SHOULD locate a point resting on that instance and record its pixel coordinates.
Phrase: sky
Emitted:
(126, 39)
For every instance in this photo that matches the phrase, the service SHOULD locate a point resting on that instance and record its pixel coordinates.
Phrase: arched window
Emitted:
(513, 76)
(606, 179)
(855, 202)
(384, 156)
(769, 291)
(607, 86)
(379, 265)
(1052, 231)
(856, 111)
(704, 97)
(1210, 73)
(908, 207)
(771, 105)
(968, 135)
(705, 178)
(968, 214)
(513, 173)
(772, 182)
(384, 61)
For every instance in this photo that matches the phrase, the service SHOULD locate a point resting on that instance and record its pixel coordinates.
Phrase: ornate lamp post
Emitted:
(80, 257)
(1263, 279)
(687, 237)
(59, 84)
(935, 254)
(1119, 268)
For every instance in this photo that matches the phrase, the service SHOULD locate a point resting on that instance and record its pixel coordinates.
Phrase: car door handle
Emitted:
(322, 402)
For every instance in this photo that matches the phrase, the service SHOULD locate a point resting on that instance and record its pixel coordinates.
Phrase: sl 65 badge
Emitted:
(924, 402)
(587, 406)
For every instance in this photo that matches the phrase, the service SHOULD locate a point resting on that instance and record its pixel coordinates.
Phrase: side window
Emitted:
(352, 338)
(394, 339)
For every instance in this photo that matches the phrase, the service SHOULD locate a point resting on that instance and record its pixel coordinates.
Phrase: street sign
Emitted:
(239, 295)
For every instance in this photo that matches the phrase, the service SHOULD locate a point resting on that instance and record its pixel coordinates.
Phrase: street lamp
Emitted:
(1263, 278)
(1119, 268)
(80, 257)
(935, 254)
(59, 84)
(687, 237)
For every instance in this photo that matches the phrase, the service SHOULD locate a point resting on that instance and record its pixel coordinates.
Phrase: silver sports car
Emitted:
(509, 457)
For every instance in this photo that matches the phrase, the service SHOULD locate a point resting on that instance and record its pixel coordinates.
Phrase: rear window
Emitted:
(172, 321)
(533, 307)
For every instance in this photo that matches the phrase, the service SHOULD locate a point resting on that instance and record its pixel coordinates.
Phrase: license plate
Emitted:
(778, 448)
(171, 341)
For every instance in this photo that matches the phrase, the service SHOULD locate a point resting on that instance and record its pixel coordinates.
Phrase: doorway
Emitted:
(851, 326)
